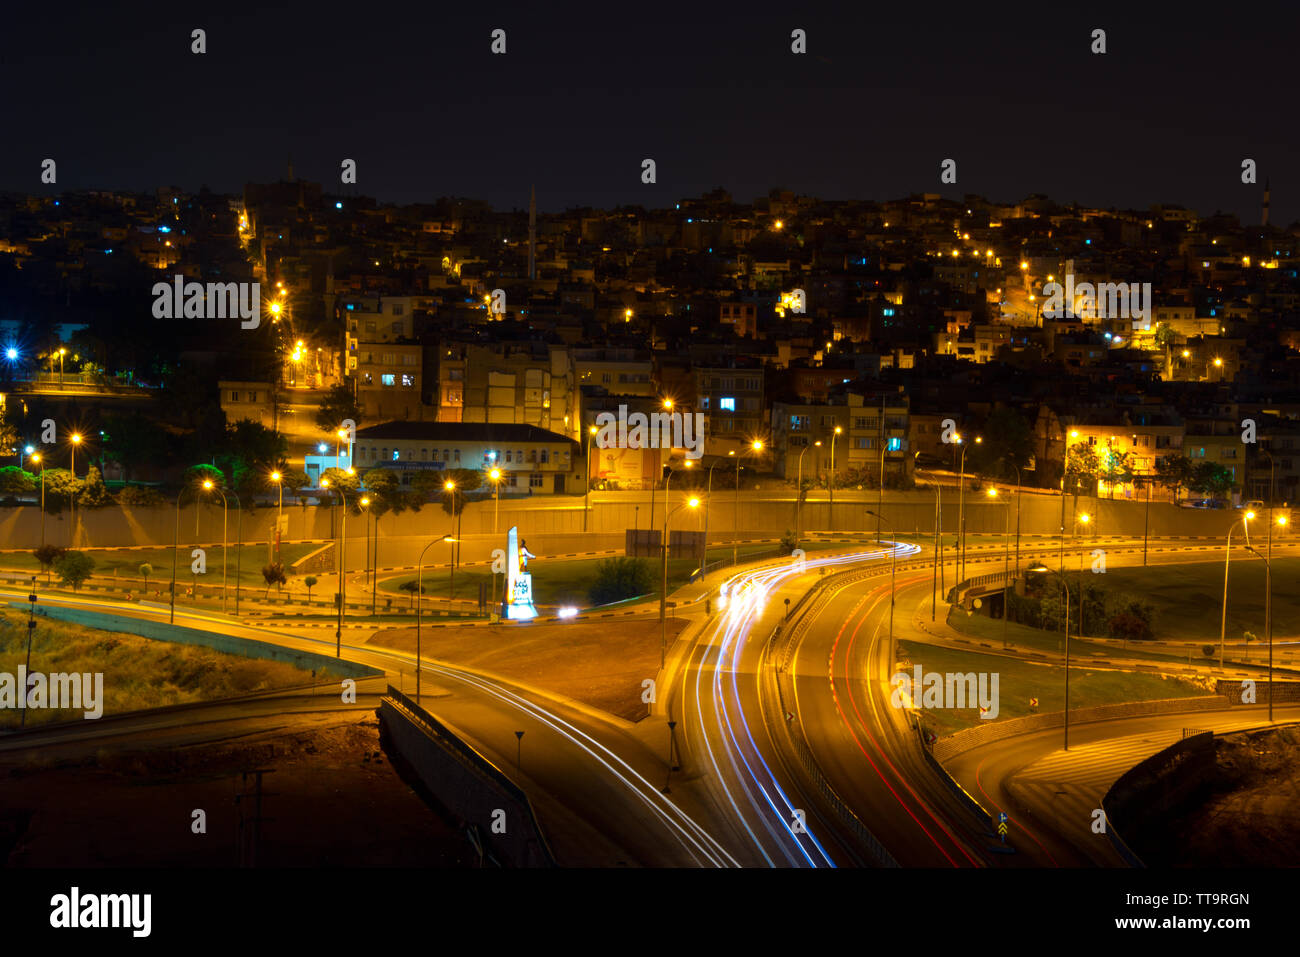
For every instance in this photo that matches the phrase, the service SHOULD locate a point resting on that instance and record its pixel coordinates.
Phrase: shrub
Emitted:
(47, 555)
(273, 574)
(140, 495)
(788, 542)
(620, 578)
(74, 568)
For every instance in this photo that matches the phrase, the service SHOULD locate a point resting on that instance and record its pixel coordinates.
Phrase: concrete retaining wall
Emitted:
(162, 631)
(960, 742)
(1284, 691)
(465, 782)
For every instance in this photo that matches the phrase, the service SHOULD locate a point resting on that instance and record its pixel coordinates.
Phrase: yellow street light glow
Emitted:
(1085, 517)
(36, 457)
(1250, 516)
(275, 308)
(1024, 265)
(495, 475)
(275, 476)
(778, 225)
(668, 403)
(76, 439)
(324, 483)
(1050, 277)
(1218, 361)
(1186, 353)
(993, 493)
(838, 430)
(207, 483)
(979, 439)
(1281, 519)
(818, 443)
(757, 444)
(1074, 433)
(694, 503)
(449, 485)
(351, 471)
(593, 430)
(365, 500)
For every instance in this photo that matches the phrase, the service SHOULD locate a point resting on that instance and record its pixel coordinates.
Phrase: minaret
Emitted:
(532, 232)
(1264, 220)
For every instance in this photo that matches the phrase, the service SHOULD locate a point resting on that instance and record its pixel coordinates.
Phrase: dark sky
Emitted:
(708, 90)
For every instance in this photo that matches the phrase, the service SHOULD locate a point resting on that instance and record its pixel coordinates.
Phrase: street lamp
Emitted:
(208, 485)
(798, 494)
(36, 457)
(586, 502)
(663, 592)
(495, 476)
(1227, 563)
(1065, 469)
(756, 446)
(893, 559)
(1268, 603)
(176, 544)
(343, 584)
(419, 589)
(450, 486)
(278, 479)
(76, 440)
(830, 481)
(961, 508)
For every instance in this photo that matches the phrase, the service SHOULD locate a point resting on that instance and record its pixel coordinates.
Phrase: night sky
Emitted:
(710, 91)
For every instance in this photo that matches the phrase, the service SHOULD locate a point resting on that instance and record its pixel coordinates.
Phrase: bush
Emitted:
(620, 578)
(74, 568)
(273, 574)
(788, 542)
(47, 555)
(140, 495)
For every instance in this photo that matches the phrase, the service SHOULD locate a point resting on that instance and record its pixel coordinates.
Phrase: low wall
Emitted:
(246, 647)
(960, 742)
(1163, 782)
(465, 782)
(1286, 691)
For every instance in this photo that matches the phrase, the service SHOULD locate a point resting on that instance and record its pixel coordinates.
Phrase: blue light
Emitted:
(164, 229)
(321, 448)
(11, 354)
(29, 450)
(690, 220)
(1087, 242)
(338, 205)
(108, 252)
(56, 202)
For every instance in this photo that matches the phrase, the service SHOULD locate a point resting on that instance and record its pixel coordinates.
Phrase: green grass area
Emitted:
(1189, 598)
(1018, 681)
(126, 563)
(138, 673)
(984, 628)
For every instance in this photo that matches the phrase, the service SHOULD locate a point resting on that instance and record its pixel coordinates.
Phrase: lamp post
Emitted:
(450, 486)
(1065, 470)
(756, 446)
(1227, 564)
(1066, 584)
(278, 479)
(798, 493)
(176, 543)
(663, 592)
(37, 459)
(372, 571)
(495, 476)
(1006, 562)
(830, 480)
(1268, 607)
(225, 544)
(586, 496)
(76, 440)
(893, 557)
(342, 565)
(419, 589)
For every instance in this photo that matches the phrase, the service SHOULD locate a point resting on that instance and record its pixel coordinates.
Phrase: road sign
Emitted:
(1002, 826)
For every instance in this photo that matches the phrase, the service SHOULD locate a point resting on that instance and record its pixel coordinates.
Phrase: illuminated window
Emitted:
(388, 378)
(408, 380)
(727, 404)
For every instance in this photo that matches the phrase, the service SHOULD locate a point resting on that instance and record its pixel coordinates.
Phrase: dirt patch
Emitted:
(1249, 818)
(597, 663)
(330, 799)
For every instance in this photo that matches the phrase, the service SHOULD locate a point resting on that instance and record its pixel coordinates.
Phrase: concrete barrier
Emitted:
(1283, 691)
(163, 631)
(492, 809)
(947, 748)
(1152, 788)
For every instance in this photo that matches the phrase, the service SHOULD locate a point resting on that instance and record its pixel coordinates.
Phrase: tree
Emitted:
(1083, 469)
(1116, 468)
(94, 493)
(47, 555)
(273, 574)
(134, 440)
(1210, 479)
(60, 489)
(16, 481)
(140, 495)
(339, 404)
(74, 568)
(620, 578)
(428, 482)
(145, 571)
(196, 475)
(293, 480)
(1174, 472)
(384, 489)
(310, 582)
(340, 479)
(1008, 442)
